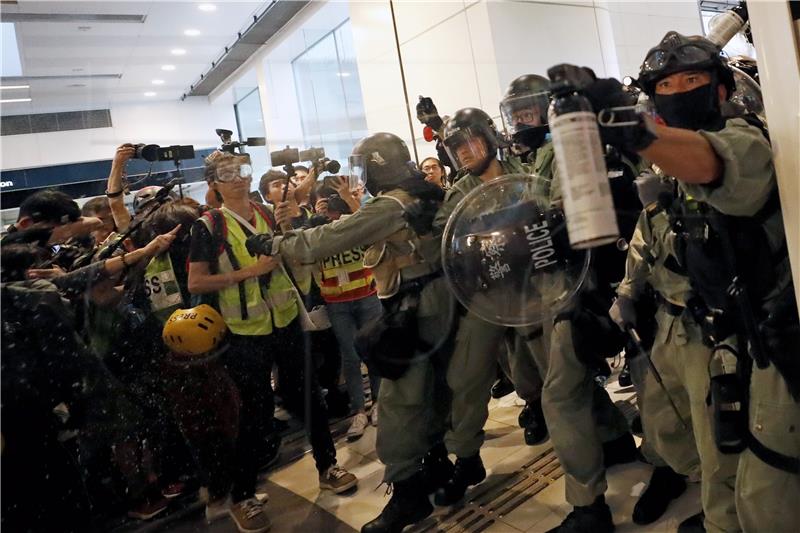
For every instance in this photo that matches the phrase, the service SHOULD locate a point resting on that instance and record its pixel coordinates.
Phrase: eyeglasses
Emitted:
(430, 168)
(688, 54)
(232, 173)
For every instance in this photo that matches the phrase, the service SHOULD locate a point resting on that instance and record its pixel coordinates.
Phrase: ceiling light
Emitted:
(158, 82)
(207, 7)
(149, 93)
(167, 67)
(191, 32)
(177, 51)
(15, 86)
(12, 100)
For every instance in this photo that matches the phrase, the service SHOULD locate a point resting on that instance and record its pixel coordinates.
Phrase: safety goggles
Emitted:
(231, 173)
(686, 55)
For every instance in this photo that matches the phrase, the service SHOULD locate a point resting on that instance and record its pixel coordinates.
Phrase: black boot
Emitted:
(665, 485)
(468, 471)
(693, 524)
(532, 420)
(619, 451)
(437, 468)
(409, 504)
(594, 518)
(502, 387)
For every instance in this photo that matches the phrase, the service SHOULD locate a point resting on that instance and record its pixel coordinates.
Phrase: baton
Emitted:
(637, 341)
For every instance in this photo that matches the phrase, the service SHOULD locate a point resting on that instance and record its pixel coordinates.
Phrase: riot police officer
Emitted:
(736, 259)
(524, 113)
(411, 351)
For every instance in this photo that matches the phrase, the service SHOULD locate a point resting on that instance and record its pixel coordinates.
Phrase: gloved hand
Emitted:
(651, 186)
(420, 214)
(428, 114)
(259, 244)
(607, 93)
(623, 312)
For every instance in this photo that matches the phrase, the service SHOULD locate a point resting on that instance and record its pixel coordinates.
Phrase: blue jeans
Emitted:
(347, 318)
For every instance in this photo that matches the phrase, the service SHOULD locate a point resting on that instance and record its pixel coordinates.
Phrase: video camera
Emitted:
(230, 146)
(288, 156)
(153, 152)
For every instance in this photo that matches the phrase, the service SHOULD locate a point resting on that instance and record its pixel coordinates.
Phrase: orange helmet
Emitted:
(192, 334)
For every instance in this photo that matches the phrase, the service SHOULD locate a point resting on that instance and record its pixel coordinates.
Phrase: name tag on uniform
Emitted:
(615, 174)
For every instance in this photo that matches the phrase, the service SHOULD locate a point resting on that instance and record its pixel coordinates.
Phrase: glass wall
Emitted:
(250, 123)
(329, 94)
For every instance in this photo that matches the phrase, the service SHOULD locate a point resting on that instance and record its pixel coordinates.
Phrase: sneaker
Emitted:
(217, 509)
(173, 490)
(148, 508)
(249, 516)
(357, 427)
(373, 415)
(337, 479)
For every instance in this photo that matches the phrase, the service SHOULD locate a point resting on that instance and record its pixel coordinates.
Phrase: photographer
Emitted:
(291, 214)
(350, 295)
(259, 304)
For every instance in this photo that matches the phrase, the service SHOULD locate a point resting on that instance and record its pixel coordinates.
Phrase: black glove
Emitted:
(607, 93)
(428, 114)
(420, 214)
(259, 244)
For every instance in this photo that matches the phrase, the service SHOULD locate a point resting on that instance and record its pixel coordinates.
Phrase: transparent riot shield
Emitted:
(506, 253)
(748, 94)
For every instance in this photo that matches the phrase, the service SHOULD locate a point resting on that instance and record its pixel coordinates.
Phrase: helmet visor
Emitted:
(523, 112)
(358, 171)
(467, 148)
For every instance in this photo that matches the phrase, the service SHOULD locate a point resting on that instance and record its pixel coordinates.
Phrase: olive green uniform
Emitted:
(681, 358)
(413, 408)
(766, 498)
(580, 415)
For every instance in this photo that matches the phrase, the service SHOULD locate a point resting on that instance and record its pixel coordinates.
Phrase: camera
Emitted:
(288, 156)
(153, 152)
(230, 146)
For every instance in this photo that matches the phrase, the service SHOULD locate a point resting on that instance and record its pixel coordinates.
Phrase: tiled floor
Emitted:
(297, 505)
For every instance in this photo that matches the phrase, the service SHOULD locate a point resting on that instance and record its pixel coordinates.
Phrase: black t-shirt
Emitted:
(202, 248)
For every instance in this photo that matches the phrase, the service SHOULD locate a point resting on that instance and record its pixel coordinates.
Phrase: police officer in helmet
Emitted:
(413, 399)
(736, 259)
(524, 113)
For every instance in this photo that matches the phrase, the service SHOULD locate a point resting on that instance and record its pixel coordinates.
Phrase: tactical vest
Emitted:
(397, 258)
(253, 306)
(161, 287)
(343, 277)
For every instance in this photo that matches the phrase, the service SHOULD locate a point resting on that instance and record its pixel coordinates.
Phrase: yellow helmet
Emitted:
(194, 332)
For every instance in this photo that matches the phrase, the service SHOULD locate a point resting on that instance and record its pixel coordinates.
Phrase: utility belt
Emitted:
(390, 342)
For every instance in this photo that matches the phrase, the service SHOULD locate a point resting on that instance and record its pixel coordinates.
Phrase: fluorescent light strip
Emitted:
(13, 100)
(15, 86)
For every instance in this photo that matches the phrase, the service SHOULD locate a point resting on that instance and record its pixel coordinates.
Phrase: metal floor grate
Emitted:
(497, 496)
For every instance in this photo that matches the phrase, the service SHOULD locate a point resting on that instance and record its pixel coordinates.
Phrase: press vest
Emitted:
(263, 305)
(161, 287)
(343, 277)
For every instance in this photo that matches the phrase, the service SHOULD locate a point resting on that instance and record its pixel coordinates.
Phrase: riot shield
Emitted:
(506, 253)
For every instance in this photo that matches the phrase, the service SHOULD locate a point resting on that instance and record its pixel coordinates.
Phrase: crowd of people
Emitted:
(143, 353)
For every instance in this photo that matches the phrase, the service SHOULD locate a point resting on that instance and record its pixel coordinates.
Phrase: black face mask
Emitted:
(532, 138)
(693, 110)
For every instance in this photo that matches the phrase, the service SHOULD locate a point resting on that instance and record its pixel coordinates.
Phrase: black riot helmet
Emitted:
(380, 162)
(679, 53)
(523, 110)
(746, 64)
(470, 138)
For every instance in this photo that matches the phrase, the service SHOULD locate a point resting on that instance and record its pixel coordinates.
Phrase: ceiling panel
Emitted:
(135, 50)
